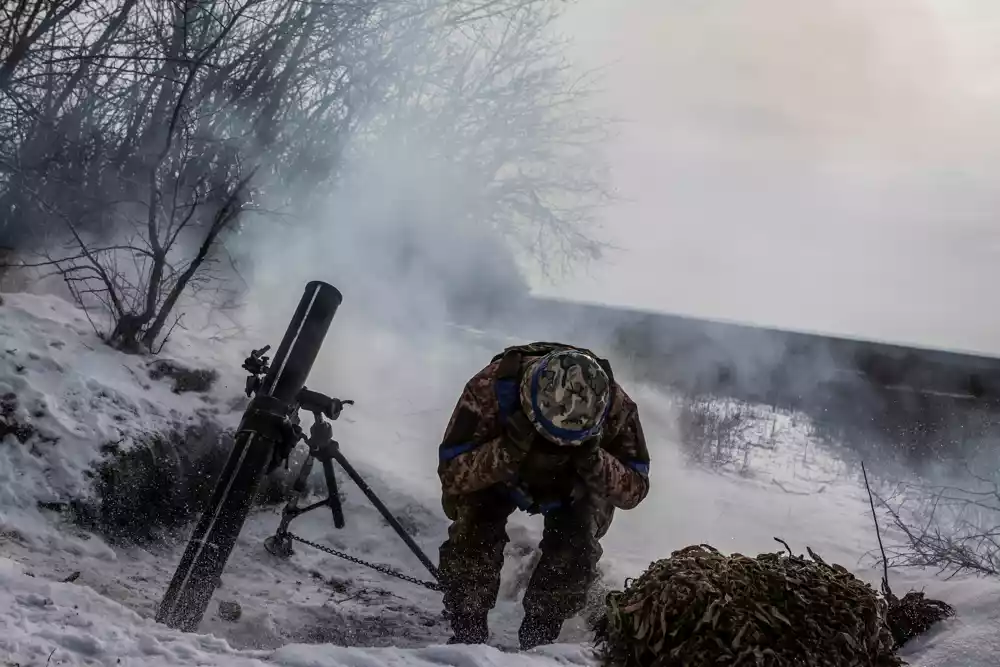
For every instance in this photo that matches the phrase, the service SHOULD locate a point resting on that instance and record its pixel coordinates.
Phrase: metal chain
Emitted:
(384, 569)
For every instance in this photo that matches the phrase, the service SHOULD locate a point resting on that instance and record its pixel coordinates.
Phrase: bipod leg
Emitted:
(384, 511)
(323, 447)
(280, 544)
(334, 498)
(320, 445)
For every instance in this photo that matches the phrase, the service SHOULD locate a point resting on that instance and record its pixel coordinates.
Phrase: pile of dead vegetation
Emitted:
(699, 607)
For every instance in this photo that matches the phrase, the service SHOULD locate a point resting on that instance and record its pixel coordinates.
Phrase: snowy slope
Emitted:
(53, 359)
(77, 395)
(70, 624)
(80, 394)
(71, 388)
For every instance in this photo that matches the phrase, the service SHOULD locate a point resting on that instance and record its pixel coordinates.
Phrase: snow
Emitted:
(57, 623)
(79, 394)
(315, 609)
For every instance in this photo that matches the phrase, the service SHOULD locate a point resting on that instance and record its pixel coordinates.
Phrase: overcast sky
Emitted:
(825, 165)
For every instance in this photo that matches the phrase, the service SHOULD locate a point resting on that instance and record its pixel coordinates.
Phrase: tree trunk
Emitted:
(223, 218)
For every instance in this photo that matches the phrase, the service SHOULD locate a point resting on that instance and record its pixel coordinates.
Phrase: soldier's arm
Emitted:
(619, 470)
(472, 455)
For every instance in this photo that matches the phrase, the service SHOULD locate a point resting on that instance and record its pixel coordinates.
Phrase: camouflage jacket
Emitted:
(475, 454)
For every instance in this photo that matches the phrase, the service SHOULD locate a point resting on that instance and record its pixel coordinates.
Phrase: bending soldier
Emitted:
(544, 428)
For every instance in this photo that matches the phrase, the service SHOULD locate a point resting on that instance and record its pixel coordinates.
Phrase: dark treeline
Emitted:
(876, 400)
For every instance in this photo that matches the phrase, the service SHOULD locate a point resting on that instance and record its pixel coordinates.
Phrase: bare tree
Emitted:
(953, 529)
(137, 137)
(721, 433)
(486, 88)
(167, 176)
(24, 24)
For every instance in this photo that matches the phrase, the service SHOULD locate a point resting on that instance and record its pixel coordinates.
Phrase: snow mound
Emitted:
(73, 625)
(66, 398)
(65, 395)
(970, 639)
(69, 624)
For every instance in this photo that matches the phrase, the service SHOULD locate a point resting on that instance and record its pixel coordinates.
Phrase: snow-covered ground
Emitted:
(47, 622)
(80, 395)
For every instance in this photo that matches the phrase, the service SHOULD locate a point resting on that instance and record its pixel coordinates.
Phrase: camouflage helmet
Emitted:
(566, 395)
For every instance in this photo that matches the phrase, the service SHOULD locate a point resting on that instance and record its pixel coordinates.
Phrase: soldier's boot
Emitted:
(471, 560)
(469, 629)
(538, 630)
(567, 568)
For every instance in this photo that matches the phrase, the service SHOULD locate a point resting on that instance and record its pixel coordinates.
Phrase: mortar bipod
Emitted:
(321, 444)
(324, 448)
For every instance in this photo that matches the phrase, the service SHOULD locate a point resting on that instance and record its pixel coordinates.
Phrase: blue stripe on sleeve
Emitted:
(639, 467)
(448, 453)
(508, 397)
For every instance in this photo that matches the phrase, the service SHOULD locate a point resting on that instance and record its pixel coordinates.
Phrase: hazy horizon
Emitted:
(812, 166)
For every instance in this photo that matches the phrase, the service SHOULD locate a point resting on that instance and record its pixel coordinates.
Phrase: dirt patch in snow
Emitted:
(185, 379)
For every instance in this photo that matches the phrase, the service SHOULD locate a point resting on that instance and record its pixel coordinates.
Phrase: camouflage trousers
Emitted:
(472, 556)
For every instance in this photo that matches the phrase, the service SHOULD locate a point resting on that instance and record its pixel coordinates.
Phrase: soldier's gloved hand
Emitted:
(521, 432)
(586, 454)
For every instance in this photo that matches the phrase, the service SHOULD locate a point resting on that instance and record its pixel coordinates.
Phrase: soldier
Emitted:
(546, 429)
